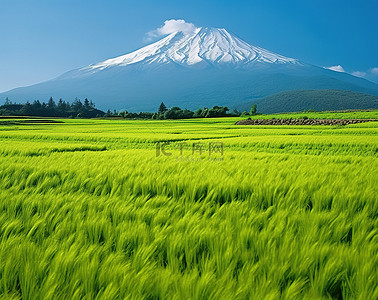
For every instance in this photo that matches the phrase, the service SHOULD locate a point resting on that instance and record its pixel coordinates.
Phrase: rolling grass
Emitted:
(88, 211)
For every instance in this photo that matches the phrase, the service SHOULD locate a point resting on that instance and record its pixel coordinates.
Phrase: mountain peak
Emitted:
(203, 47)
(198, 67)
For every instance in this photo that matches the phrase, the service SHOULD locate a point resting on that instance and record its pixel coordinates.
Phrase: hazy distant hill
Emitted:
(319, 100)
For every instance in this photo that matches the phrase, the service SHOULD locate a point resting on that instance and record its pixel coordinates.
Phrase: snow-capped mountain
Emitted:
(202, 48)
(205, 45)
(206, 67)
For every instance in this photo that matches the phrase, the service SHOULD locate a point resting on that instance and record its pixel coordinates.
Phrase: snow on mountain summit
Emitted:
(209, 46)
(190, 67)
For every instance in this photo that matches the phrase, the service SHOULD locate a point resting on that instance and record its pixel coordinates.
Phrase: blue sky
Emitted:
(42, 39)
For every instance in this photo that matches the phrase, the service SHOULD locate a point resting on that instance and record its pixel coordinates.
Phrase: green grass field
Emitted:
(104, 209)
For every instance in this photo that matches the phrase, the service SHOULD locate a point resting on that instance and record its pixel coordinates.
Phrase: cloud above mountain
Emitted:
(358, 74)
(171, 26)
(370, 74)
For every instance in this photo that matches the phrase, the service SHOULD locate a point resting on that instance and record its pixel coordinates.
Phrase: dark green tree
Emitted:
(27, 109)
(51, 103)
(187, 114)
(60, 103)
(174, 113)
(86, 103)
(253, 110)
(216, 111)
(198, 113)
(162, 108)
(77, 105)
(36, 105)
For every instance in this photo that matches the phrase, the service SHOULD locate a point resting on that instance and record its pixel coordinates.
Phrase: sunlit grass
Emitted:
(87, 210)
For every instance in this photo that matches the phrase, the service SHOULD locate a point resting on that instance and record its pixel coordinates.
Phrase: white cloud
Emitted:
(374, 71)
(171, 26)
(370, 74)
(359, 74)
(337, 68)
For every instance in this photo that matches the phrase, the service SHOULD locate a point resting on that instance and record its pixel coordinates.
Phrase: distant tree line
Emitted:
(76, 109)
(175, 112)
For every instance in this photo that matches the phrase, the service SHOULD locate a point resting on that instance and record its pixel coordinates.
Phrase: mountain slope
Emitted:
(203, 68)
(294, 101)
(203, 47)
